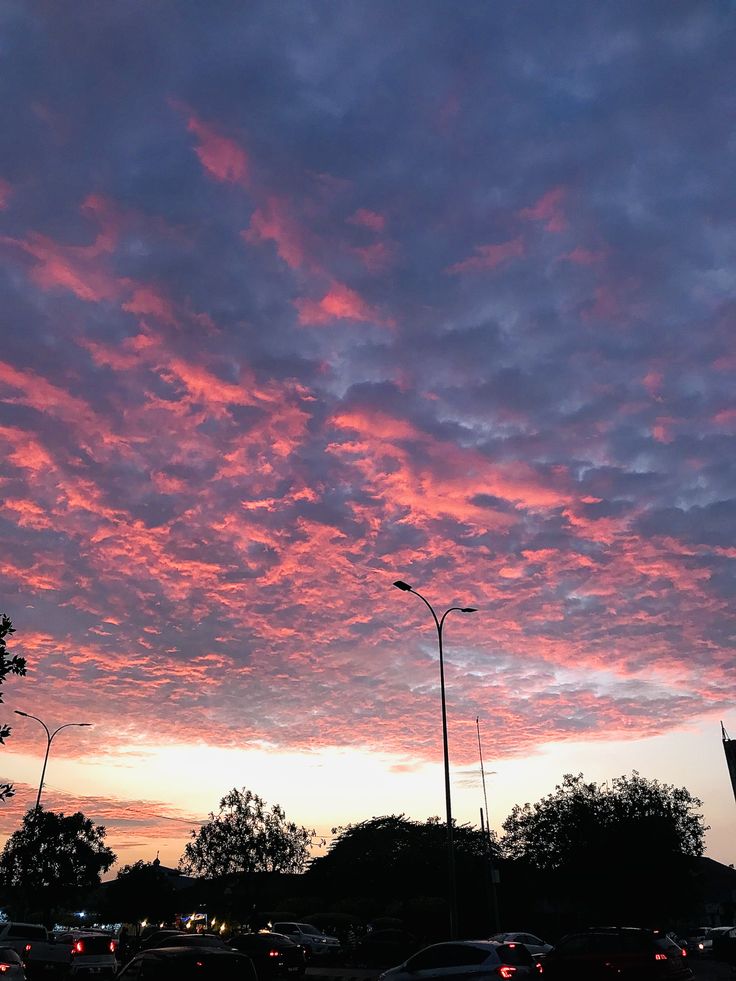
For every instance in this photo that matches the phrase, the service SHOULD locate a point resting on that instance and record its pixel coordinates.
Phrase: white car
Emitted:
(466, 960)
(314, 942)
(535, 946)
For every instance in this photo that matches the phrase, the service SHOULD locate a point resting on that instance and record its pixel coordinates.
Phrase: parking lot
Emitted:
(708, 970)
(703, 968)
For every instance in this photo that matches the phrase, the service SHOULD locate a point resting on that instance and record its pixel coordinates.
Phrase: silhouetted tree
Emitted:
(142, 890)
(8, 665)
(246, 836)
(52, 859)
(401, 865)
(620, 849)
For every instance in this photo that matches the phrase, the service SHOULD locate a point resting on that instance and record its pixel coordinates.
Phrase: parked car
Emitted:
(36, 947)
(602, 953)
(712, 934)
(273, 954)
(314, 942)
(380, 948)
(693, 943)
(157, 938)
(11, 966)
(465, 959)
(192, 940)
(534, 945)
(90, 953)
(188, 964)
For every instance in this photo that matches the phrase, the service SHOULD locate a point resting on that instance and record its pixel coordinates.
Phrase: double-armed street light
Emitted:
(439, 623)
(49, 738)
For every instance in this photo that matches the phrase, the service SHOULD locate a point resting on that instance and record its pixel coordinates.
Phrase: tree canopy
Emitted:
(246, 835)
(627, 841)
(140, 890)
(8, 665)
(400, 866)
(52, 858)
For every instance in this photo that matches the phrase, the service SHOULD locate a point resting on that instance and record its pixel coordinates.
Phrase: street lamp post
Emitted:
(49, 738)
(439, 624)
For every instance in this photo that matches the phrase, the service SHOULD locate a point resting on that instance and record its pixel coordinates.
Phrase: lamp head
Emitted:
(18, 712)
(84, 723)
(468, 609)
(402, 585)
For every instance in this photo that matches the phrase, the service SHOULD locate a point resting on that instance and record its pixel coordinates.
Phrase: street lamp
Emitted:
(439, 623)
(49, 738)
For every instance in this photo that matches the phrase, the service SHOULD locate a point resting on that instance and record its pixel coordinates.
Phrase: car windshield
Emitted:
(311, 930)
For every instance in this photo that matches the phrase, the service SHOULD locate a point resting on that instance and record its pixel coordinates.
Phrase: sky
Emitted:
(301, 298)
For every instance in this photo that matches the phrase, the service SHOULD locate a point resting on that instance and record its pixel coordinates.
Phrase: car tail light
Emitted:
(113, 946)
(27, 948)
(4, 967)
(660, 957)
(78, 947)
(683, 952)
(273, 953)
(506, 972)
(540, 969)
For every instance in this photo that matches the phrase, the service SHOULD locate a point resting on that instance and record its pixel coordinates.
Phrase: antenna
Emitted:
(483, 775)
(487, 835)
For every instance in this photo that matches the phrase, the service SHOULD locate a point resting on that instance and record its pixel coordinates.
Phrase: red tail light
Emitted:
(506, 972)
(539, 967)
(4, 967)
(660, 957)
(27, 948)
(78, 947)
(113, 946)
(683, 952)
(273, 953)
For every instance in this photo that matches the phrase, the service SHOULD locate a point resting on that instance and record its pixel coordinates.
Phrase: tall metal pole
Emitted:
(49, 739)
(487, 835)
(439, 624)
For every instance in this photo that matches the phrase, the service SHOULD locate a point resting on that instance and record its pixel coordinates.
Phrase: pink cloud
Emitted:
(548, 209)
(368, 219)
(220, 156)
(339, 303)
(375, 257)
(148, 301)
(489, 256)
(80, 269)
(272, 222)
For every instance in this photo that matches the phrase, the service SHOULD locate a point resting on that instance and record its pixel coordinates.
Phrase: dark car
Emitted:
(11, 966)
(626, 952)
(191, 940)
(188, 964)
(273, 954)
(158, 938)
(380, 948)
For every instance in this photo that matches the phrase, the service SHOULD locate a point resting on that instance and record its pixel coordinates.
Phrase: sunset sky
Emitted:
(300, 298)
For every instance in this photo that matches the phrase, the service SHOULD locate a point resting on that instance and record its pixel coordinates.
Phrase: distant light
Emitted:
(400, 584)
